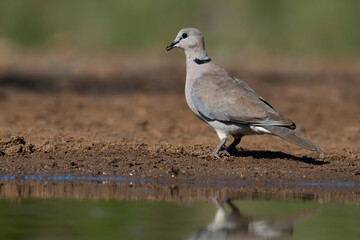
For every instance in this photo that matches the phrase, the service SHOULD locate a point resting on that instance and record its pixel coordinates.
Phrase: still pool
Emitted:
(127, 210)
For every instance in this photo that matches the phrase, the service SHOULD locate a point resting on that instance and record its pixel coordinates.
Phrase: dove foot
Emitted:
(210, 155)
(226, 152)
(216, 151)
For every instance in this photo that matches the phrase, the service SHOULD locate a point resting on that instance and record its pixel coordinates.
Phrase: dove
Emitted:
(237, 225)
(229, 105)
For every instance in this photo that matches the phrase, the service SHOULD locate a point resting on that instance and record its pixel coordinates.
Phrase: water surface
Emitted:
(44, 209)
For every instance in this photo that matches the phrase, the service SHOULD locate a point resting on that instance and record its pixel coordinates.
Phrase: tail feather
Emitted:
(293, 137)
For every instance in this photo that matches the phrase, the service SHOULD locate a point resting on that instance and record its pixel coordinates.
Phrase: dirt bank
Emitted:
(114, 124)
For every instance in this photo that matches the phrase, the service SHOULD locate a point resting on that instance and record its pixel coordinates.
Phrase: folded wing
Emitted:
(219, 96)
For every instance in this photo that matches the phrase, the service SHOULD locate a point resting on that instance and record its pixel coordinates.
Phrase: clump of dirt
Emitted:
(16, 145)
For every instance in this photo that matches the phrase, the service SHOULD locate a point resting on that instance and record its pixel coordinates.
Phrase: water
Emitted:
(167, 209)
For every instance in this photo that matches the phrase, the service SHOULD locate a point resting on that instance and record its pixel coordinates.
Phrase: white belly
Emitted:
(235, 129)
(223, 129)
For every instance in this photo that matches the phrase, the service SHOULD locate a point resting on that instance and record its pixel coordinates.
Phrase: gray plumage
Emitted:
(218, 96)
(228, 104)
(293, 137)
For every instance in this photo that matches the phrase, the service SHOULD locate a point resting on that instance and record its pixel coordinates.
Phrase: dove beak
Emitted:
(171, 45)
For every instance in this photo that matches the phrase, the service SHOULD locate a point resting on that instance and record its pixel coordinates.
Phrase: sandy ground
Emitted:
(72, 115)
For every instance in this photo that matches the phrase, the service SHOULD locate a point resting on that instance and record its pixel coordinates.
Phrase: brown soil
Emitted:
(77, 116)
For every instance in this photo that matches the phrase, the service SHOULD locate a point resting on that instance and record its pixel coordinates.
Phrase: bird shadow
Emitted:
(273, 155)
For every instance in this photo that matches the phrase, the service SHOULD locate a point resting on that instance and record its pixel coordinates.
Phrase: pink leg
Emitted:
(216, 151)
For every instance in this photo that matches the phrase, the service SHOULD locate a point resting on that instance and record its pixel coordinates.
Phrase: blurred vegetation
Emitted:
(322, 27)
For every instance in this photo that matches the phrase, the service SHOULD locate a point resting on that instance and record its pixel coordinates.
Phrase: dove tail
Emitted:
(293, 137)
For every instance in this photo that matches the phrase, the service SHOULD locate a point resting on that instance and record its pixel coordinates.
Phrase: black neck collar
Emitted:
(202, 61)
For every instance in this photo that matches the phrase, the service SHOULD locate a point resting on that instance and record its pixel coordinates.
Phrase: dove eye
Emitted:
(184, 35)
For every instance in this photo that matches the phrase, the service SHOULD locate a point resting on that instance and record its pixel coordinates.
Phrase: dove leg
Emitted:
(215, 152)
(220, 215)
(231, 147)
(234, 209)
(233, 144)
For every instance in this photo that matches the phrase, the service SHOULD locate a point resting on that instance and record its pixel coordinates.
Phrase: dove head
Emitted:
(191, 41)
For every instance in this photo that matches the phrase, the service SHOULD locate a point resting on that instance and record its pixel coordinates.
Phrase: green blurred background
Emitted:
(321, 28)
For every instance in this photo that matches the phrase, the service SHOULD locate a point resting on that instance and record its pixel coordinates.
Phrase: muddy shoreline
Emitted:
(171, 189)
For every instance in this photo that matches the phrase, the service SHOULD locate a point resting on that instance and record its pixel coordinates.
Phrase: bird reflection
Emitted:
(236, 225)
